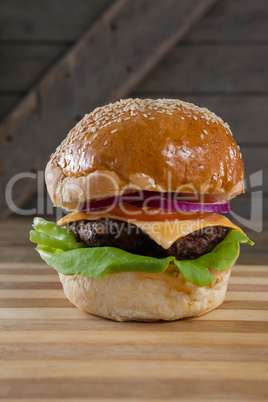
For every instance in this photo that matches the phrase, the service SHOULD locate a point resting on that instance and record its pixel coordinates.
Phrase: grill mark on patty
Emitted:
(126, 236)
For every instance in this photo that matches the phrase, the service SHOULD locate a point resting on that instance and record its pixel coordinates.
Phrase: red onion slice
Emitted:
(111, 201)
(164, 201)
(170, 205)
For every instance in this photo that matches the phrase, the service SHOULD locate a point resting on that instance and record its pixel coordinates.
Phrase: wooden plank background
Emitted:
(41, 32)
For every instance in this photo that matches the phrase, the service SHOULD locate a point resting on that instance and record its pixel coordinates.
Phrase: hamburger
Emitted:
(146, 183)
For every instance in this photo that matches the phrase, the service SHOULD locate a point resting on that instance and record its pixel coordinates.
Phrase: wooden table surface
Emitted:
(51, 351)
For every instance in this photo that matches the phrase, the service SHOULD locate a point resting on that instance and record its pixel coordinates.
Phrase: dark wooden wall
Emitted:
(221, 64)
(33, 36)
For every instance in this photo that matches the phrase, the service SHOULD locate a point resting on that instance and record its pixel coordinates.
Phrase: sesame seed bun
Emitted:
(144, 296)
(157, 145)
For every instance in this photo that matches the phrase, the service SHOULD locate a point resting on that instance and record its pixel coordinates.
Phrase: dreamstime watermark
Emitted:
(130, 200)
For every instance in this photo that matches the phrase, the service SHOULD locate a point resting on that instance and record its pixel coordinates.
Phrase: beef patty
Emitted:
(128, 237)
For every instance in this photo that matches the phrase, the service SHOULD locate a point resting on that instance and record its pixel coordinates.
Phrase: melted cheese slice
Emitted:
(165, 232)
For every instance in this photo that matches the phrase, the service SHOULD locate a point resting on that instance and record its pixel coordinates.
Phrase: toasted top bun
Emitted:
(143, 144)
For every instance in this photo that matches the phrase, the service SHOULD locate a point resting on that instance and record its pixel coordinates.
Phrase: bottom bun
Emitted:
(142, 296)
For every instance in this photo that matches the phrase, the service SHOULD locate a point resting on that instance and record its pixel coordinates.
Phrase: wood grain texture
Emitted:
(7, 102)
(239, 20)
(109, 400)
(23, 65)
(83, 78)
(205, 68)
(35, 35)
(73, 351)
(133, 369)
(211, 69)
(118, 337)
(117, 390)
(46, 20)
(49, 350)
(230, 20)
(99, 324)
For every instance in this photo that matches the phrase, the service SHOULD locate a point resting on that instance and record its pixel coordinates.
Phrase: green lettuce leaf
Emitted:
(59, 248)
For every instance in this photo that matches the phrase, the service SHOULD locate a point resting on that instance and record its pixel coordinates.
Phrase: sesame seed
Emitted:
(113, 131)
(119, 120)
(205, 132)
(151, 118)
(101, 117)
(184, 148)
(201, 136)
(214, 178)
(107, 124)
(106, 142)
